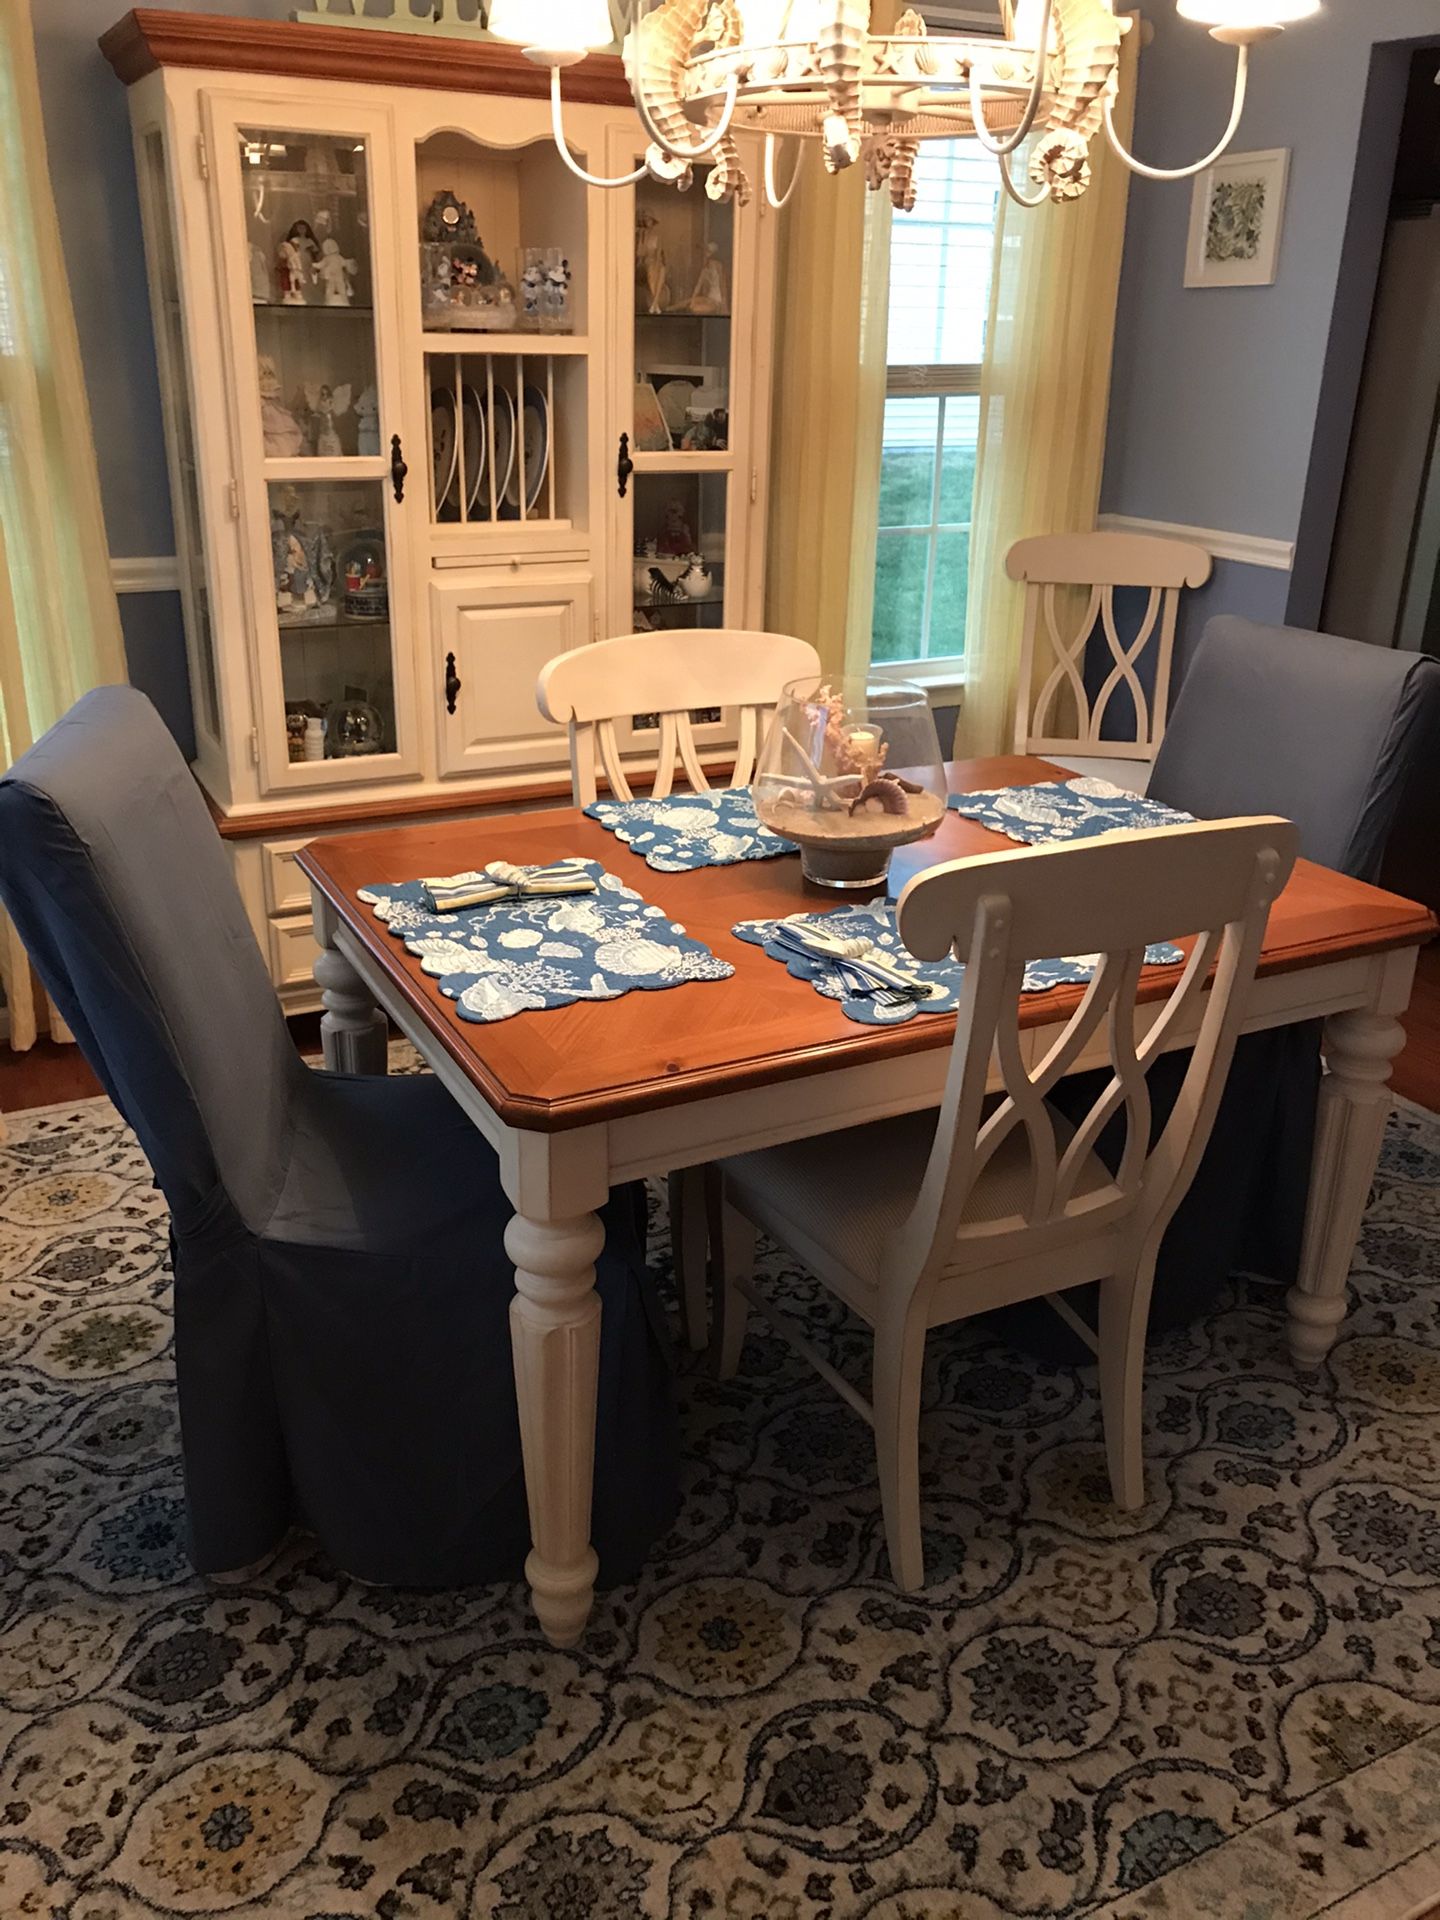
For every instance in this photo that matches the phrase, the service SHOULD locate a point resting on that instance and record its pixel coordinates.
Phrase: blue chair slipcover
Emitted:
(1329, 733)
(342, 1293)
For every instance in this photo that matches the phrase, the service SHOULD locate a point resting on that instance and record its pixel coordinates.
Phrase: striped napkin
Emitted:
(453, 893)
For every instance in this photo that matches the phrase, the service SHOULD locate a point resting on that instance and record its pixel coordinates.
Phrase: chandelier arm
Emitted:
(1242, 77)
(1011, 142)
(665, 144)
(777, 201)
(557, 126)
(1020, 199)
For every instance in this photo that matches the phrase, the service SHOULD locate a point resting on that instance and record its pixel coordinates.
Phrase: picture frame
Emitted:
(1237, 218)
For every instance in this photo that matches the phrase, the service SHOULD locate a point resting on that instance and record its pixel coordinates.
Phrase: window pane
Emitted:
(957, 467)
(940, 258)
(907, 463)
(949, 595)
(901, 563)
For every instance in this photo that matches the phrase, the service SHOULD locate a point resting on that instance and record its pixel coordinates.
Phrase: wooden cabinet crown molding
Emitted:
(147, 39)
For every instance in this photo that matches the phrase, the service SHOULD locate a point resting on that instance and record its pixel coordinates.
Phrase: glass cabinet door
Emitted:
(686, 266)
(308, 212)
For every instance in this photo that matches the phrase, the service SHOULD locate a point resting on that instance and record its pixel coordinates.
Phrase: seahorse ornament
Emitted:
(839, 47)
(663, 44)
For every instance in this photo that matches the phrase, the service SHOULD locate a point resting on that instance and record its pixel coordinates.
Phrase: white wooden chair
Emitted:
(1053, 655)
(671, 675)
(915, 1224)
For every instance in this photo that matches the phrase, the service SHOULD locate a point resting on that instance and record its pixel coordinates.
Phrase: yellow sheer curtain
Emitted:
(1044, 398)
(829, 408)
(59, 624)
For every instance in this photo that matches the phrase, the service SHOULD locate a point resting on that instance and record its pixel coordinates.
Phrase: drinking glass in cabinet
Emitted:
(679, 550)
(684, 277)
(332, 602)
(307, 215)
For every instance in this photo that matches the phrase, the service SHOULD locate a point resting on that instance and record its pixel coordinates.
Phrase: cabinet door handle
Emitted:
(398, 468)
(453, 683)
(624, 466)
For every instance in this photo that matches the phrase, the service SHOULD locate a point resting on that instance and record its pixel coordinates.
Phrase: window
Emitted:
(940, 264)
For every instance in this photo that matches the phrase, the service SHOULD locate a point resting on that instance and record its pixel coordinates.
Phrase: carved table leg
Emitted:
(1360, 1049)
(353, 1030)
(555, 1332)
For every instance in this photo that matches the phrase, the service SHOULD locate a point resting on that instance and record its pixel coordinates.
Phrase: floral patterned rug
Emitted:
(1227, 1704)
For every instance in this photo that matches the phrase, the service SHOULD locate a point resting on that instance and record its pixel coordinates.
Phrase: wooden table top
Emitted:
(596, 1060)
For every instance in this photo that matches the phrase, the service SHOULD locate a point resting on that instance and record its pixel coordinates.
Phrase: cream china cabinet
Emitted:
(434, 412)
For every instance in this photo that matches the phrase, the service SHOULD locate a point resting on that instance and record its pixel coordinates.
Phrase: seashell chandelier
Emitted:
(703, 70)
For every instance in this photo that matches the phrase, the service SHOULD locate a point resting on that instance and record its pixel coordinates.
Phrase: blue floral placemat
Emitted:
(1058, 810)
(940, 979)
(495, 961)
(691, 830)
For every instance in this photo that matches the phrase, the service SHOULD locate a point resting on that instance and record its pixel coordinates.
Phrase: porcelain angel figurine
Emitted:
(328, 402)
(337, 274)
(650, 268)
(367, 417)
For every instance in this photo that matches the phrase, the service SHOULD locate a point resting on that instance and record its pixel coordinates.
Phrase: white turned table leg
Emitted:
(1360, 1049)
(555, 1332)
(353, 1030)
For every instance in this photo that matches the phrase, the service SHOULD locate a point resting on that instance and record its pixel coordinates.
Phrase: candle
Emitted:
(864, 741)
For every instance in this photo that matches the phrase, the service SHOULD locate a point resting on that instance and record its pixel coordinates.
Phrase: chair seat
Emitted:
(843, 1195)
(1132, 775)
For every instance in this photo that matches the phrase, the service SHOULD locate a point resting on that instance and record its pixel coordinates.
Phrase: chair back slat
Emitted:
(670, 675)
(1215, 881)
(1051, 568)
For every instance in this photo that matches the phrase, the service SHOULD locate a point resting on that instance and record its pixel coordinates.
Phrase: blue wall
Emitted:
(1232, 407)
(87, 129)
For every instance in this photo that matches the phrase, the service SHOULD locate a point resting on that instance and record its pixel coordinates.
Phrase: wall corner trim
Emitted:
(142, 573)
(1246, 549)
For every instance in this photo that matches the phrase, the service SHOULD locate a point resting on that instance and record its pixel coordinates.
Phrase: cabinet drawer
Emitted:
(286, 888)
(293, 951)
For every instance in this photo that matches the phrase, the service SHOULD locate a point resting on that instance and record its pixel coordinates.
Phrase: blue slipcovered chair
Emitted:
(1327, 731)
(1330, 733)
(341, 1289)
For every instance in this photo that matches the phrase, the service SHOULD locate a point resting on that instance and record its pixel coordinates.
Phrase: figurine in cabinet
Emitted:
(367, 423)
(290, 274)
(712, 289)
(677, 541)
(337, 274)
(532, 291)
(260, 289)
(328, 403)
(650, 267)
(302, 237)
(283, 435)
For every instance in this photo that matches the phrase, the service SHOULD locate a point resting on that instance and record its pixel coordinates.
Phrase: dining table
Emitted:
(578, 1099)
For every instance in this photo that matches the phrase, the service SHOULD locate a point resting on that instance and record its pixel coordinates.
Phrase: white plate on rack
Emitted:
(472, 416)
(444, 444)
(675, 398)
(535, 425)
(502, 449)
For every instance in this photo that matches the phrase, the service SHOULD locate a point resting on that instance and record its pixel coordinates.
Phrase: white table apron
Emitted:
(557, 1182)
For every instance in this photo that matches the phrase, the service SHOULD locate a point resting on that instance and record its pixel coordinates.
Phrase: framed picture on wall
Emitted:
(1236, 217)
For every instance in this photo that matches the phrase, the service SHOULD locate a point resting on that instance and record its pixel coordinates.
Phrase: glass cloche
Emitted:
(850, 770)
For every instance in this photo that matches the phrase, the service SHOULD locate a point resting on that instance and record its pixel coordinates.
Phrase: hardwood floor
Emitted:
(49, 1073)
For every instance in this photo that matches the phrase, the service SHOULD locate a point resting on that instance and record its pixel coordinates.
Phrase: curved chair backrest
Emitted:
(1054, 655)
(1113, 897)
(670, 675)
(111, 868)
(1323, 730)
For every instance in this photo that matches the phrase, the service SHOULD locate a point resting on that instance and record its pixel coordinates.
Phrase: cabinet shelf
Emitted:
(305, 306)
(344, 623)
(463, 340)
(683, 313)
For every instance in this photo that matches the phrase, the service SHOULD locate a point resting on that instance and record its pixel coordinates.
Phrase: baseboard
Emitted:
(1246, 549)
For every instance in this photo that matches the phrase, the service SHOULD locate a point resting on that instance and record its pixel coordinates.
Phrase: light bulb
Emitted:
(574, 26)
(1246, 13)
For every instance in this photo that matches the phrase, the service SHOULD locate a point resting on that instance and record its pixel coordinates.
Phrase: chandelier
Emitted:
(702, 70)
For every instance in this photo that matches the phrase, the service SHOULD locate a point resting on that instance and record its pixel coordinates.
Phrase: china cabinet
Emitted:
(435, 412)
